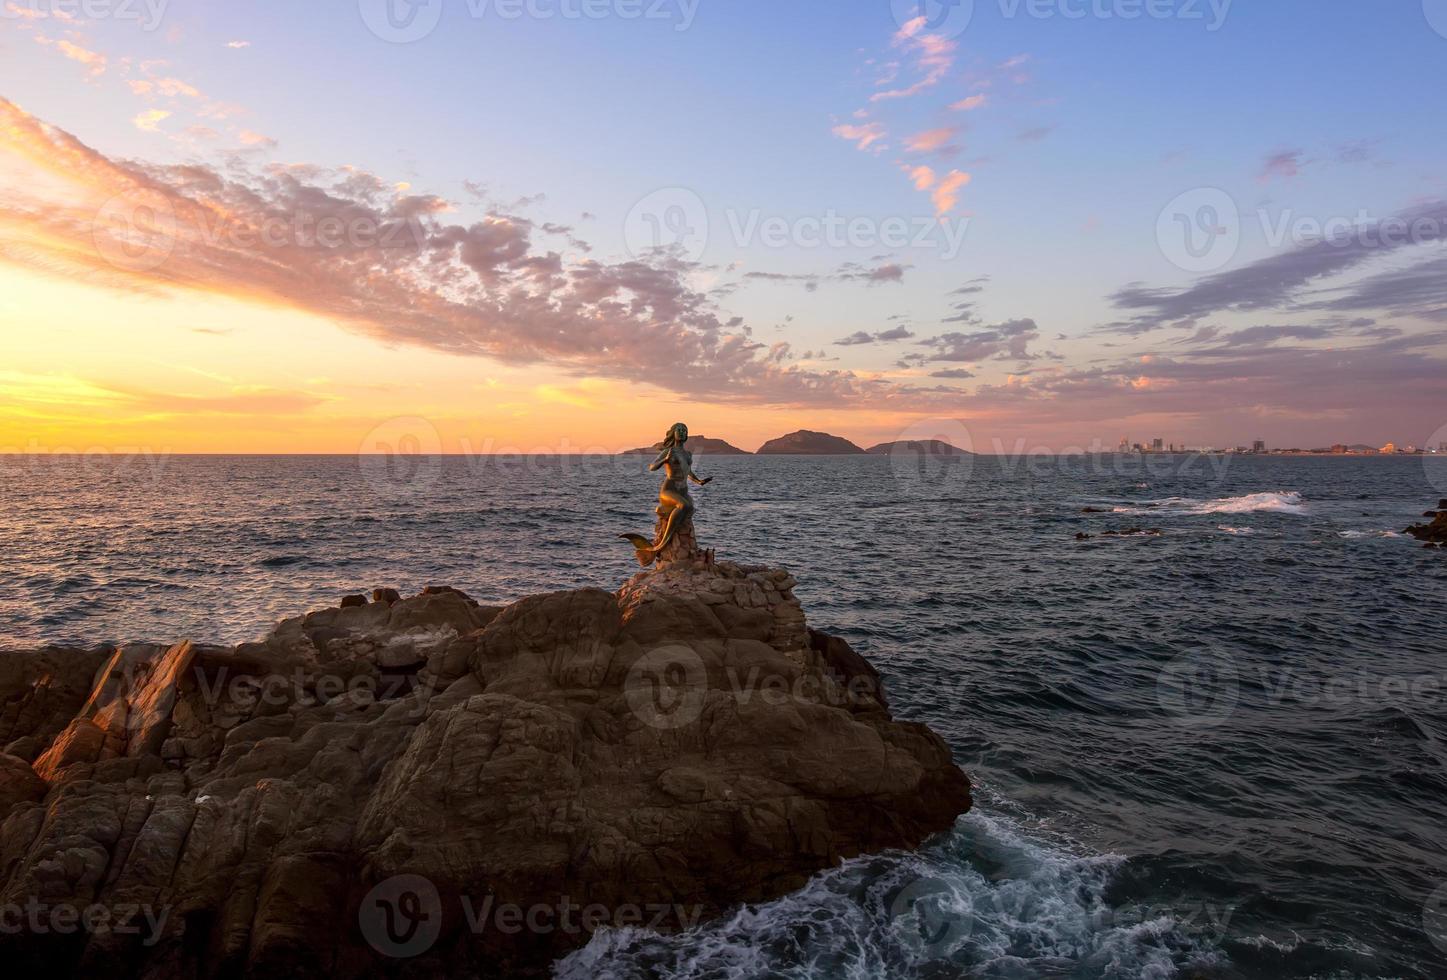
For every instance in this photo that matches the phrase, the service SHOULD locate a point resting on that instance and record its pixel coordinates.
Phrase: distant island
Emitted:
(807, 443)
(918, 447)
(702, 445)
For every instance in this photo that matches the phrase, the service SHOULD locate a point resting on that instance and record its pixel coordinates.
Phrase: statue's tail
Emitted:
(644, 547)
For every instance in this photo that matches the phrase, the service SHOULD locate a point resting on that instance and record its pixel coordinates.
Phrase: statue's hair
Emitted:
(676, 435)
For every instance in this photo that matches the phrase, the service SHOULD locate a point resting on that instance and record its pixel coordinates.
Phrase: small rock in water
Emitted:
(388, 596)
(1434, 533)
(352, 601)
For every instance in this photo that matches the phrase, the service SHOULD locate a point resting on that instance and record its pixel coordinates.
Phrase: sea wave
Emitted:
(1279, 501)
(989, 899)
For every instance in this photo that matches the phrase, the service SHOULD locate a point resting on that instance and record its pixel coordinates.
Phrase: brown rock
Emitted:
(352, 601)
(18, 784)
(687, 740)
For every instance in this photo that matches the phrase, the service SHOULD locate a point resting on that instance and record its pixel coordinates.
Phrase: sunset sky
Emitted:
(565, 224)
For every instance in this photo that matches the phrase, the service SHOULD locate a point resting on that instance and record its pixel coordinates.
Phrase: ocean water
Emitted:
(1218, 751)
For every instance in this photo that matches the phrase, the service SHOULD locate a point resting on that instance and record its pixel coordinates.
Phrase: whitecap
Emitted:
(985, 900)
(1279, 501)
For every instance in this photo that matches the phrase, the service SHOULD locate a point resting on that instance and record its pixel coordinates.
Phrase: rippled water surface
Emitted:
(1215, 751)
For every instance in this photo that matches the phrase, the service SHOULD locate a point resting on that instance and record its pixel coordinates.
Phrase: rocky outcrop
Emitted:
(807, 443)
(430, 786)
(1435, 533)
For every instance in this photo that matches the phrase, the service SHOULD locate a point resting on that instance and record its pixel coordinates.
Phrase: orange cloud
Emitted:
(923, 178)
(93, 60)
(947, 193)
(150, 120)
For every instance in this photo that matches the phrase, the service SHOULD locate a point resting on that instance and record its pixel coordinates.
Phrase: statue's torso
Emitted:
(677, 467)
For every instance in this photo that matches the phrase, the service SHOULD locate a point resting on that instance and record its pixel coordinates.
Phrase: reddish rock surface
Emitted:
(347, 797)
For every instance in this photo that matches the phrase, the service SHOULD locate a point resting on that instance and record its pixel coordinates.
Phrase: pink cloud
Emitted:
(1285, 164)
(947, 192)
(922, 177)
(968, 104)
(930, 140)
(934, 57)
(861, 136)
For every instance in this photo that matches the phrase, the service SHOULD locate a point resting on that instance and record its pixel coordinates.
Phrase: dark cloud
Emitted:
(1278, 280)
(848, 272)
(952, 373)
(1009, 340)
(883, 337)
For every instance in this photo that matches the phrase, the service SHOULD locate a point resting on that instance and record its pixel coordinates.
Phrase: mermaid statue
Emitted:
(675, 506)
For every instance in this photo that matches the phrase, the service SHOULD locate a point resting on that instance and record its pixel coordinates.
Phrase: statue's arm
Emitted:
(701, 481)
(662, 458)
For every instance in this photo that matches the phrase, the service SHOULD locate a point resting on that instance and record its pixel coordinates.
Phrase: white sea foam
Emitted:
(1370, 534)
(1234, 530)
(1280, 501)
(986, 901)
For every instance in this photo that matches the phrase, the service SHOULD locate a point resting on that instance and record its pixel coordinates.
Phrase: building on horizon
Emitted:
(1390, 449)
(1259, 446)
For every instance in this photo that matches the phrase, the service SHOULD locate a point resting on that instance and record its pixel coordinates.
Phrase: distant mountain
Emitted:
(917, 447)
(698, 445)
(806, 443)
